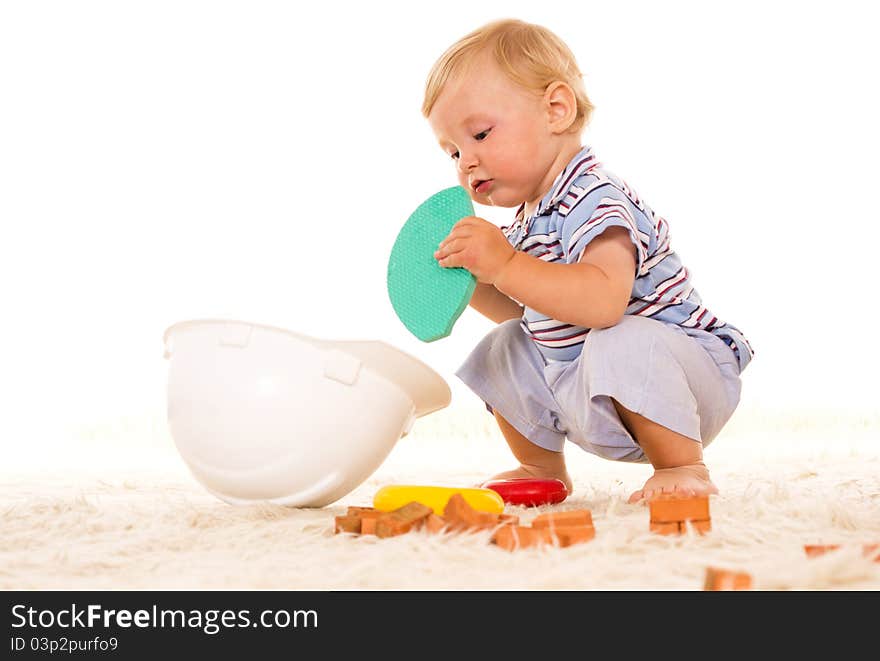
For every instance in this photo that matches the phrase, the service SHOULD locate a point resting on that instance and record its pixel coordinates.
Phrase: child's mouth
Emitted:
(482, 186)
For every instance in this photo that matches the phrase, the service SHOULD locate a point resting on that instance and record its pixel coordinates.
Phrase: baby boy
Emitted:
(602, 339)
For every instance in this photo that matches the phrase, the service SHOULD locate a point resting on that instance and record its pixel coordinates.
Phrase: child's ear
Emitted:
(561, 106)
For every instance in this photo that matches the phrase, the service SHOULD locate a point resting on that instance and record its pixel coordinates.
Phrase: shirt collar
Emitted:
(582, 161)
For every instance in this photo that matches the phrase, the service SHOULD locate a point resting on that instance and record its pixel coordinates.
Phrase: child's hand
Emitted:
(477, 245)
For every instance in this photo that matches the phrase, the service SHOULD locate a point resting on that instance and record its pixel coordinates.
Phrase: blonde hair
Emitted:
(531, 55)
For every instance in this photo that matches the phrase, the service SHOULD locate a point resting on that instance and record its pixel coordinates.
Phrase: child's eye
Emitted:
(482, 135)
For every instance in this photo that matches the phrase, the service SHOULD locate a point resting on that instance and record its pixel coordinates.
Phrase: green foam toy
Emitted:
(427, 297)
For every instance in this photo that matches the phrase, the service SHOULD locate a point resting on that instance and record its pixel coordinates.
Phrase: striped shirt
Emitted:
(583, 202)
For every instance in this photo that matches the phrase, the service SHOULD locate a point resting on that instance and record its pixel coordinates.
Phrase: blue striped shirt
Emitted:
(583, 202)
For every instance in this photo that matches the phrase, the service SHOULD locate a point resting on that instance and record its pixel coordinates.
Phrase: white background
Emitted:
(164, 161)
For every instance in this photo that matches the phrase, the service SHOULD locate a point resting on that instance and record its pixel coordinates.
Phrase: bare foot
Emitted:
(538, 472)
(690, 480)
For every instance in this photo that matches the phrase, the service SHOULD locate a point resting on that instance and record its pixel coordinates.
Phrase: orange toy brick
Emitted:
(669, 508)
(508, 519)
(681, 527)
(699, 526)
(570, 535)
(671, 528)
(435, 524)
(868, 550)
(368, 521)
(511, 537)
(360, 520)
(459, 515)
(563, 519)
(724, 579)
(402, 520)
(356, 510)
(347, 524)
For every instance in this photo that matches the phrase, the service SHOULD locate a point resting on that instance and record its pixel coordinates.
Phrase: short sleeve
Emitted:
(511, 232)
(594, 209)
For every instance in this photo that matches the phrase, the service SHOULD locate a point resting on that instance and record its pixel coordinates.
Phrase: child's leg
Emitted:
(677, 459)
(534, 461)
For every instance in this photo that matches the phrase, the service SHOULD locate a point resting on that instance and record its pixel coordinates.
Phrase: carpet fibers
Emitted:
(113, 507)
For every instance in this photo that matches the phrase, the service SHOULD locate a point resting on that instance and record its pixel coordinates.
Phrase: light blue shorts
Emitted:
(685, 380)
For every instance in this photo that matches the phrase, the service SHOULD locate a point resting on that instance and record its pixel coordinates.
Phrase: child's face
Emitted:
(498, 135)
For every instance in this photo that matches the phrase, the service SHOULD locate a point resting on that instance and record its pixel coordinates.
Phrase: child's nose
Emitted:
(467, 161)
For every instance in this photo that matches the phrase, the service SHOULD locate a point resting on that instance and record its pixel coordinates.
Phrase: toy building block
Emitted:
(560, 528)
(402, 520)
(724, 579)
(668, 508)
(368, 521)
(700, 526)
(681, 527)
(359, 520)
(347, 524)
(672, 514)
(552, 528)
(671, 528)
(512, 537)
(568, 527)
(459, 515)
(435, 524)
(570, 535)
(563, 519)
(868, 550)
(356, 510)
(815, 550)
(508, 519)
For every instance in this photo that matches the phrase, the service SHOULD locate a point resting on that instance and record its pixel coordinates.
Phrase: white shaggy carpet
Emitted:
(114, 508)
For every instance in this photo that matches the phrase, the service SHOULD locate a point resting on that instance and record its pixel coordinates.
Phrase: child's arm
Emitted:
(593, 293)
(491, 303)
